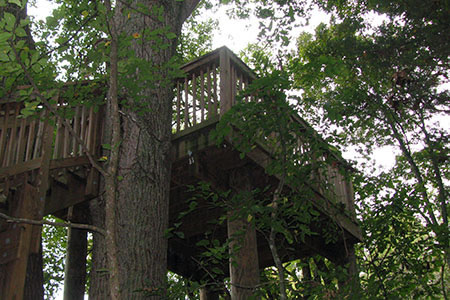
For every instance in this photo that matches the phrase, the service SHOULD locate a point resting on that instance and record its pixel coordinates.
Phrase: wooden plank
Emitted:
(22, 141)
(202, 96)
(82, 130)
(38, 138)
(13, 286)
(30, 139)
(9, 244)
(208, 84)
(201, 62)
(29, 165)
(178, 107)
(215, 96)
(194, 99)
(225, 82)
(68, 162)
(66, 143)
(62, 197)
(3, 152)
(186, 104)
(13, 137)
(90, 129)
(58, 137)
(76, 128)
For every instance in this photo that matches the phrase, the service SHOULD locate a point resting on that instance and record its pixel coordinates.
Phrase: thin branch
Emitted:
(87, 227)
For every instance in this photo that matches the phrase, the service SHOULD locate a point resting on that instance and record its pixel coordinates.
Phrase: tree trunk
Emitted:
(144, 159)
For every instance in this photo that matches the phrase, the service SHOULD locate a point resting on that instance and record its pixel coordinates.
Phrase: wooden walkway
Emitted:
(44, 169)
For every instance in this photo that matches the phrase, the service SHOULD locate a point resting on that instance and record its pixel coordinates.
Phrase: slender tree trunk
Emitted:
(142, 194)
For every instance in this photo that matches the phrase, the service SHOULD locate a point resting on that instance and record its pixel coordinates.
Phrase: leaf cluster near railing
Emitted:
(21, 136)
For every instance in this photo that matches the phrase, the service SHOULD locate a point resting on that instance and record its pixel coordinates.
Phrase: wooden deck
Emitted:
(44, 169)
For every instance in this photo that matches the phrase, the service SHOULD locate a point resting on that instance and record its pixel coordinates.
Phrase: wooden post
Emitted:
(225, 81)
(350, 286)
(15, 245)
(244, 264)
(208, 294)
(75, 268)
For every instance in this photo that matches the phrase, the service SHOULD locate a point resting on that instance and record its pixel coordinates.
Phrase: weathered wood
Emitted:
(65, 196)
(225, 82)
(244, 264)
(186, 104)
(12, 286)
(194, 99)
(4, 134)
(209, 91)
(202, 96)
(178, 111)
(206, 293)
(75, 266)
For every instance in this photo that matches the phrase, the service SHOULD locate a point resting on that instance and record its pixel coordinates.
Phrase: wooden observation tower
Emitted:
(44, 170)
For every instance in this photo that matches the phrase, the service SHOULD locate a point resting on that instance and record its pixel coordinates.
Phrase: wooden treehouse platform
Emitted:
(44, 170)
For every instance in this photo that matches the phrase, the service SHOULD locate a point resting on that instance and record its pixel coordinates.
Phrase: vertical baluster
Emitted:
(89, 129)
(202, 96)
(3, 149)
(82, 130)
(66, 144)
(30, 139)
(39, 135)
(59, 132)
(76, 128)
(233, 84)
(12, 150)
(22, 140)
(194, 99)
(178, 106)
(208, 83)
(186, 104)
(215, 96)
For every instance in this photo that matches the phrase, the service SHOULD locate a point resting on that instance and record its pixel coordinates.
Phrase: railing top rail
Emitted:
(213, 57)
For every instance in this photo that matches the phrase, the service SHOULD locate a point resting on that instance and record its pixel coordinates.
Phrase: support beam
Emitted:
(207, 293)
(244, 265)
(75, 267)
(15, 248)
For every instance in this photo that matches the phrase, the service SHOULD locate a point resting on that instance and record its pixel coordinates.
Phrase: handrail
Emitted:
(21, 137)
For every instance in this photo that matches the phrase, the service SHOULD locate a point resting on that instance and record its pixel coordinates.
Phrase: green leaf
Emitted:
(20, 32)
(17, 2)
(171, 35)
(4, 36)
(10, 21)
(217, 270)
(202, 243)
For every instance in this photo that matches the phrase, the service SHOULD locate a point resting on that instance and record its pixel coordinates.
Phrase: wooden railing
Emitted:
(208, 90)
(209, 87)
(21, 138)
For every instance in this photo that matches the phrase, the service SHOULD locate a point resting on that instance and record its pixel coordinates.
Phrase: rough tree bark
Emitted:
(142, 194)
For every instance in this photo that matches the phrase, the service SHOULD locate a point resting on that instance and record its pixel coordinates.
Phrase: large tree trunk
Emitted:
(144, 161)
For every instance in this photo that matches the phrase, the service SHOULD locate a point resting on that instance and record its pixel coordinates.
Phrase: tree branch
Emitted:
(87, 227)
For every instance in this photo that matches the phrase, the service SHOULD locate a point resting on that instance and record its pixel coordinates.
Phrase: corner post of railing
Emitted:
(225, 81)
